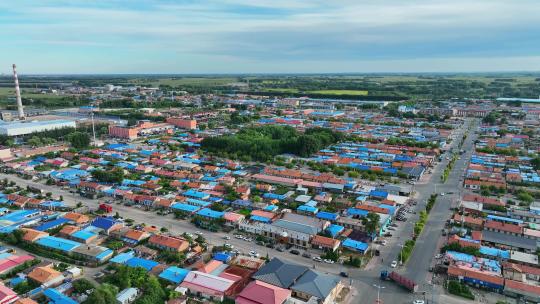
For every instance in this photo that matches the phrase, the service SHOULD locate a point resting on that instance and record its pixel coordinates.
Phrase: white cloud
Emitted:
(280, 30)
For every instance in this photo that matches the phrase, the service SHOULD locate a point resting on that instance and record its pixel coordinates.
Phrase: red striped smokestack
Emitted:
(18, 93)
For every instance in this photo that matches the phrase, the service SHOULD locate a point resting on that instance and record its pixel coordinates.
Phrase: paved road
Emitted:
(426, 245)
(176, 226)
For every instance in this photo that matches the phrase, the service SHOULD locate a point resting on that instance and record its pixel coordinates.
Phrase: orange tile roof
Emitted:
(43, 274)
(210, 266)
(136, 234)
(169, 242)
(470, 273)
(69, 229)
(468, 220)
(503, 227)
(31, 235)
(325, 241)
(77, 217)
(533, 289)
(25, 301)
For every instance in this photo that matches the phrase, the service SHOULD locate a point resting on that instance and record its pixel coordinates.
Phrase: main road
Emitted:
(417, 267)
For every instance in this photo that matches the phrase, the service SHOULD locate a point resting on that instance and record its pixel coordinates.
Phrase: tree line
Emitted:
(264, 142)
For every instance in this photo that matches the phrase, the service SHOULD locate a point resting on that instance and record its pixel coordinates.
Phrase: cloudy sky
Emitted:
(274, 36)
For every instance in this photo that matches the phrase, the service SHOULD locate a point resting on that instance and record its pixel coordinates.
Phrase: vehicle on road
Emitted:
(295, 252)
(254, 253)
(280, 249)
(344, 274)
(306, 255)
(384, 243)
(228, 246)
(393, 264)
(317, 259)
(442, 193)
(402, 281)
(198, 232)
(388, 234)
(328, 261)
(227, 237)
(418, 302)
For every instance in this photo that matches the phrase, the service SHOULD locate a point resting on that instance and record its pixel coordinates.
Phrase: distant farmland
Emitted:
(341, 92)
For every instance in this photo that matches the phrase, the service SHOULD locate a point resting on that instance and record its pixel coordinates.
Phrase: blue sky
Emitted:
(275, 36)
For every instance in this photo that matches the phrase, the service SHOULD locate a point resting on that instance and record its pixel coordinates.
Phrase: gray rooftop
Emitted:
(316, 284)
(280, 273)
(509, 240)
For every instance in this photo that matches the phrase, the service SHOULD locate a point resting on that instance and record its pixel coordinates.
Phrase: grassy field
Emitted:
(197, 81)
(281, 90)
(341, 92)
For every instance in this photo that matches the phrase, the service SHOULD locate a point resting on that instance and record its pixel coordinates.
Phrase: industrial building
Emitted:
(17, 128)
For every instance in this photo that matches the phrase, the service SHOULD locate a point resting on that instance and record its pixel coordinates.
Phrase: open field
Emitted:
(340, 92)
(190, 81)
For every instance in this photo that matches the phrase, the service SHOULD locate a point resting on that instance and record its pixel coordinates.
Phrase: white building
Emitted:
(16, 128)
(127, 295)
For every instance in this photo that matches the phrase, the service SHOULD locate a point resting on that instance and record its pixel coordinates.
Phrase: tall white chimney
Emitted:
(18, 93)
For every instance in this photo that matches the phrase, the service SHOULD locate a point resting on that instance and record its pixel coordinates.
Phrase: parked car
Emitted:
(418, 302)
(388, 234)
(393, 264)
(306, 255)
(227, 237)
(344, 274)
(280, 249)
(295, 252)
(328, 261)
(317, 259)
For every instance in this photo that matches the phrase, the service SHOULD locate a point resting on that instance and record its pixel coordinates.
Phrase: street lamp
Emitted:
(401, 254)
(379, 287)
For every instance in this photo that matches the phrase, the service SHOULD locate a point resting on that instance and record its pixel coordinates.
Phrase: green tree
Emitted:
(82, 285)
(35, 141)
(79, 140)
(103, 294)
(371, 222)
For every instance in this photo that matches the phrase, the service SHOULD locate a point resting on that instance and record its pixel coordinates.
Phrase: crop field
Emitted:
(341, 92)
(191, 81)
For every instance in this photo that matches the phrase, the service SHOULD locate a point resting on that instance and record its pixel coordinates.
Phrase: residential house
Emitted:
(323, 288)
(46, 276)
(169, 243)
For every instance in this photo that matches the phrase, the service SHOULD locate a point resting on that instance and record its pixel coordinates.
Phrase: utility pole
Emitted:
(93, 128)
(401, 254)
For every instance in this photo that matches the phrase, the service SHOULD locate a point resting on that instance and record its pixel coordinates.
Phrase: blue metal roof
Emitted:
(306, 208)
(185, 207)
(222, 257)
(174, 274)
(356, 245)
(329, 216)
(260, 219)
(140, 262)
(52, 224)
(207, 212)
(359, 212)
(122, 258)
(58, 243)
(83, 235)
(104, 223)
(56, 297)
(335, 230)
